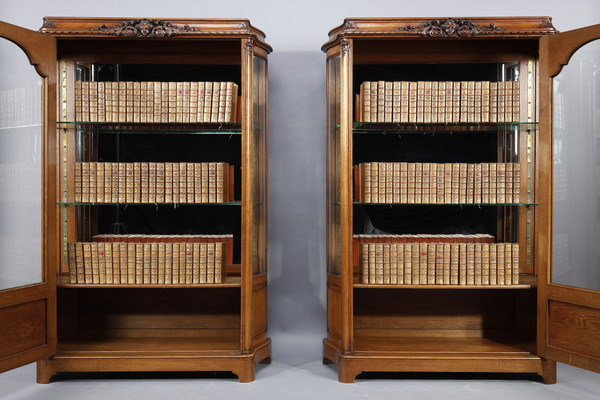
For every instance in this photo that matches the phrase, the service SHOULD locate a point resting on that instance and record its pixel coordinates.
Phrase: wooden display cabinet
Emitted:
(552, 313)
(70, 327)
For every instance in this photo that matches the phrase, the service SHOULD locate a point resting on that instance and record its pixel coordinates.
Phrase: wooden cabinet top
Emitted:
(467, 27)
(140, 28)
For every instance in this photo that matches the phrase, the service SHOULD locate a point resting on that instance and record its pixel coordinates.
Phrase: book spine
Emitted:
(501, 183)
(485, 183)
(435, 100)
(454, 264)
(93, 185)
(407, 263)
(216, 92)
(485, 263)
(168, 263)
(137, 182)
(87, 263)
(493, 264)
(515, 263)
(508, 179)
(365, 95)
(456, 183)
(448, 183)
(168, 183)
(198, 276)
(431, 260)
(470, 195)
(175, 264)
(153, 262)
(427, 102)
(189, 262)
(462, 263)
(159, 184)
(93, 101)
(508, 264)
(399, 248)
(425, 183)
(477, 110)
(449, 102)
(160, 251)
(464, 105)
(107, 184)
(185, 108)
(516, 183)
(130, 176)
(388, 101)
(470, 272)
(493, 183)
(477, 273)
(386, 264)
(418, 183)
(77, 181)
(116, 263)
(404, 101)
(493, 100)
(364, 263)
(485, 101)
(516, 102)
(220, 269)
(71, 256)
(108, 263)
(500, 263)
(447, 263)
(176, 184)
(372, 263)
(412, 102)
(208, 263)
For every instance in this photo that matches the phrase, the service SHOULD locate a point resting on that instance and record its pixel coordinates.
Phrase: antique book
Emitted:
(373, 102)
(446, 267)
(404, 101)
(175, 264)
(136, 101)
(508, 264)
(146, 263)
(434, 102)
(456, 102)
(93, 101)
(93, 185)
(485, 183)
(71, 262)
(365, 183)
(78, 104)
(144, 182)
(364, 263)
(205, 182)
(99, 182)
(477, 184)
(197, 176)
(101, 102)
(416, 264)
(379, 263)
(77, 182)
(365, 96)
(386, 264)
(145, 104)
(448, 183)
(158, 101)
(380, 101)
(222, 182)
(485, 101)
(116, 263)
(185, 102)
(493, 264)
(485, 263)
(418, 183)
(431, 261)
(198, 275)
(167, 262)
(462, 263)
(493, 183)
(425, 182)
(107, 184)
(441, 103)
(500, 263)
(219, 270)
(400, 251)
(388, 99)
(130, 176)
(161, 249)
(423, 263)
(372, 263)
(169, 182)
(477, 273)
(108, 262)
(408, 263)
(87, 263)
(222, 101)
(454, 264)
(396, 101)
(515, 263)
(501, 87)
(412, 102)
(189, 262)
(462, 176)
(212, 182)
(464, 109)
(393, 256)
(190, 171)
(508, 112)
(477, 108)
(396, 178)
(159, 186)
(216, 95)
(456, 183)
(183, 198)
(516, 183)
(99, 262)
(427, 99)
(208, 263)
(94, 263)
(176, 184)
(516, 104)
(404, 183)
(508, 179)
(493, 100)
(153, 263)
(470, 272)
(470, 197)
(137, 182)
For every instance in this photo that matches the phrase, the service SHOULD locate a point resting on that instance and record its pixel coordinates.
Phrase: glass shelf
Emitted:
(443, 204)
(231, 203)
(420, 128)
(213, 128)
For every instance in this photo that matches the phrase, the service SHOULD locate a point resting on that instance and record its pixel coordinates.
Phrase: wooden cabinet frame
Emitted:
(366, 327)
(53, 51)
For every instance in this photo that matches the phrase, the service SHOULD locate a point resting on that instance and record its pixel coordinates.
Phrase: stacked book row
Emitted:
(156, 102)
(439, 102)
(432, 183)
(21, 107)
(114, 238)
(123, 263)
(142, 182)
(439, 263)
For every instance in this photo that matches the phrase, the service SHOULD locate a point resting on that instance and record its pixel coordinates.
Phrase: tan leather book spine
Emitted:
(364, 263)
(462, 263)
(122, 101)
(485, 263)
(418, 183)
(431, 259)
(493, 183)
(129, 96)
(95, 263)
(137, 182)
(137, 102)
(500, 264)
(107, 185)
(508, 264)
(425, 182)
(516, 102)
(379, 263)
(146, 102)
(183, 270)
(129, 258)
(515, 263)
(485, 101)
(167, 261)
(478, 103)
(471, 114)
(120, 253)
(508, 179)
(456, 183)
(221, 189)
(470, 265)
(485, 183)
(433, 112)
(234, 105)
(517, 183)
(372, 263)
(365, 96)
(393, 248)
(114, 183)
(493, 100)
(407, 263)
(439, 264)
(380, 101)
(87, 263)
(404, 183)
(388, 102)
(114, 100)
(365, 182)
(450, 102)
(501, 101)
(477, 184)
(397, 260)
(386, 264)
(396, 178)
(175, 102)
(421, 94)
(93, 101)
(448, 183)
(205, 182)
(216, 93)
(441, 183)
(146, 263)
(508, 101)
(77, 182)
(193, 110)
(78, 104)
(209, 264)
(168, 183)
(167, 96)
(197, 276)
(153, 262)
(92, 185)
(101, 102)
(189, 262)
(477, 273)
(222, 101)
(175, 264)
(412, 102)
(208, 101)
(159, 184)
(197, 183)
(387, 195)
(190, 182)
(176, 183)
(99, 182)
(185, 107)
(423, 263)
(212, 182)
(116, 263)
(161, 273)
(441, 103)
(182, 182)
(454, 264)
(470, 196)
(447, 264)
(464, 103)
(220, 269)
(432, 183)
(455, 100)
(158, 101)
(501, 183)
(373, 101)
(130, 176)
(396, 101)
(71, 256)
(108, 262)
(493, 264)
(416, 264)
(200, 101)
(404, 101)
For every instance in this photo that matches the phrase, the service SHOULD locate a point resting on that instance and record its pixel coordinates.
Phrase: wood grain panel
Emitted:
(574, 328)
(333, 310)
(22, 327)
(259, 309)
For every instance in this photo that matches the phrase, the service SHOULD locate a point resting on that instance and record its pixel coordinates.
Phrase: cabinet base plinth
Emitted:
(241, 364)
(350, 365)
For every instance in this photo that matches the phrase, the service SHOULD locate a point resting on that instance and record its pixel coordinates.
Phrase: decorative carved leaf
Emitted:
(451, 28)
(144, 28)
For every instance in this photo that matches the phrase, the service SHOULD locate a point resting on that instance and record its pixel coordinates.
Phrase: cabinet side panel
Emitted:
(567, 321)
(22, 327)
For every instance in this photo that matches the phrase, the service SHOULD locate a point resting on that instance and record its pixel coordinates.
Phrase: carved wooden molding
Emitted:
(450, 27)
(144, 28)
(345, 46)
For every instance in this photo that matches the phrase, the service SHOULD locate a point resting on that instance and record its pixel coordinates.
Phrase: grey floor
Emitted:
(297, 374)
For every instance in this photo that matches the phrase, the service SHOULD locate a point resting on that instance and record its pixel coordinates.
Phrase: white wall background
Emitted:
(296, 30)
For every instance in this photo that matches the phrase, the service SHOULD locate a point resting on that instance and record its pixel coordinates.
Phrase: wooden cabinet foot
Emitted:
(549, 371)
(44, 372)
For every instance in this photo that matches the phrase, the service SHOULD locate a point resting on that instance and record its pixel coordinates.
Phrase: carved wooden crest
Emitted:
(451, 28)
(144, 28)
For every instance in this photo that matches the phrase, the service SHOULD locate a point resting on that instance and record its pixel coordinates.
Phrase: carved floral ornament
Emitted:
(144, 28)
(451, 28)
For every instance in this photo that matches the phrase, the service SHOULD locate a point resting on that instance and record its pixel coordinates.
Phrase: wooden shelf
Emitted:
(442, 347)
(231, 281)
(229, 342)
(525, 282)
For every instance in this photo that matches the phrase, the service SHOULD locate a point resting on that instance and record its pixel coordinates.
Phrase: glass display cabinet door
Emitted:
(27, 189)
(570, 286)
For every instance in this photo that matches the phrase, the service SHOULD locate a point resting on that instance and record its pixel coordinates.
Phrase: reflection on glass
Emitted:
(576, 233)
(259, 100)
(20, 169)
(333, 165)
